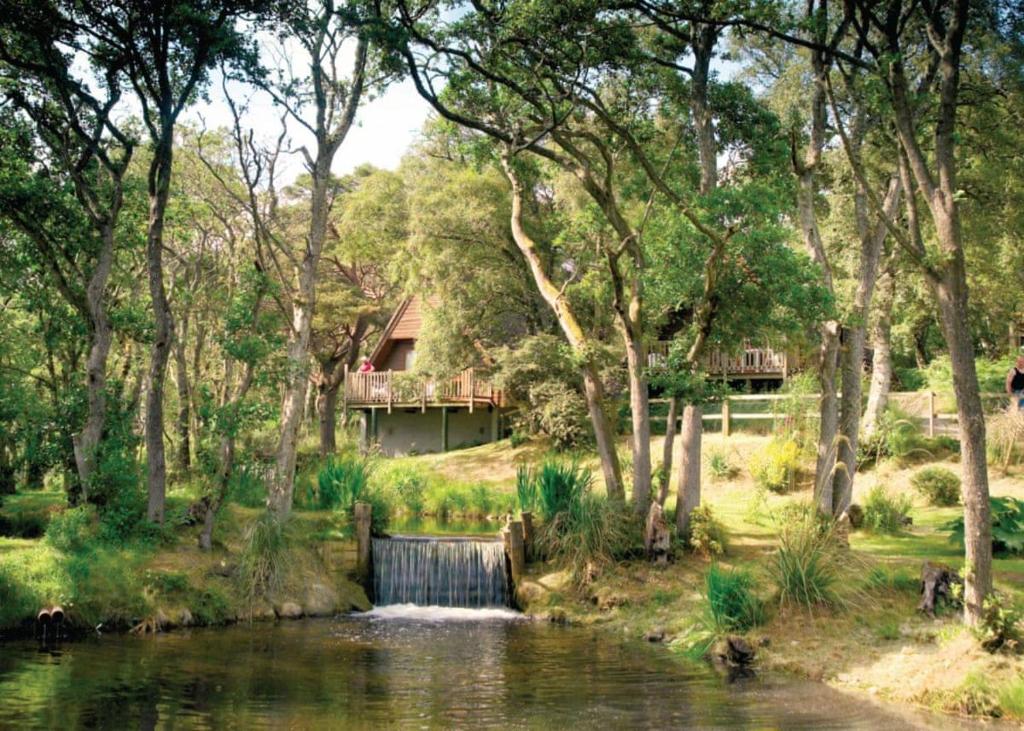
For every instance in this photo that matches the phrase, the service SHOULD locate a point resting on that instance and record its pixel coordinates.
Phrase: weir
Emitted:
(447, 572)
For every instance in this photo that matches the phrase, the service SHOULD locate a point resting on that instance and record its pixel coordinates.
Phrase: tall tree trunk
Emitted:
(163, 332)
(828, 416)
(562, 309)
(279, 499)
(667, 448)
(881, 361)
(852, 353)
(86, 443)
(640, 408)
(704, 37)
(689, 467)
(184, 421)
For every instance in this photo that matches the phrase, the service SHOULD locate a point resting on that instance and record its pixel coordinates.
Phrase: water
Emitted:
(399, 672)
(448, 572)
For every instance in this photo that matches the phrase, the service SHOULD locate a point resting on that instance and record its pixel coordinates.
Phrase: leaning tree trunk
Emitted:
(881, 360)
(86, 443)
(279, 498)
(666, 460)
(852, 353)
(555, 298)
(689, 467)
(163, 332)
(639, 398)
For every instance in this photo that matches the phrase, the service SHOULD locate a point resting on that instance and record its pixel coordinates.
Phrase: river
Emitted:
(405, 668)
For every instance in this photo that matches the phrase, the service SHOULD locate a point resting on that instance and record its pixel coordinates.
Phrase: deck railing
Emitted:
(751, 361)
(401, 388)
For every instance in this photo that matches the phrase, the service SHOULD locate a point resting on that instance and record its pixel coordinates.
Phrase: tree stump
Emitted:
(657, 538)
(937, 581)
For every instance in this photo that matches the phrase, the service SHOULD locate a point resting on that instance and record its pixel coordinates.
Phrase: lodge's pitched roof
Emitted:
(405, 324)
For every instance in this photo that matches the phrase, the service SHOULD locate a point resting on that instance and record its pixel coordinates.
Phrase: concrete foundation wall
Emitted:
(413, 431)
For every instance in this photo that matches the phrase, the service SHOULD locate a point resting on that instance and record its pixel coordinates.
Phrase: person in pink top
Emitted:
(367, 366)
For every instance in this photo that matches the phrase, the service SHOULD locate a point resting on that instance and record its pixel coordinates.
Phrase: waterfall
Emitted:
(447, 572)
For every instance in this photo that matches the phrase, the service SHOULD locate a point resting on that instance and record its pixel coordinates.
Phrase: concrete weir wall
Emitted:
(412, 431)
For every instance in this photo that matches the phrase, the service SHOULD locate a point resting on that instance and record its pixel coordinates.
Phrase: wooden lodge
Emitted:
(752, 362)
(406, 413)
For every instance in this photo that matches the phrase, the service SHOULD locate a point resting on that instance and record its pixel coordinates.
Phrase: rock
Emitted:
(185, 618)
(320, 601)
(528, 592)
(288, 610)
(607, 598)
(842, 530)
(856, 515)
(937, 581)
(655, 635)
(733, 651)
(558, 616)
(260, 610)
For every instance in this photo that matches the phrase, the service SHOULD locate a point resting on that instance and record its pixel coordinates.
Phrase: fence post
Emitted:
(725, 417)
(931, 413)
(390, 395)
(514, 546)
(472, 387)
(527, 518)
(363, 515)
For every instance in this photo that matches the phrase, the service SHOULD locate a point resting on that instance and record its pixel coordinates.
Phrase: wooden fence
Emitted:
(935, 412)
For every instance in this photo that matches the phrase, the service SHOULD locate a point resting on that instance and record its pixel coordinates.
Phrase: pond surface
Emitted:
(399, 668)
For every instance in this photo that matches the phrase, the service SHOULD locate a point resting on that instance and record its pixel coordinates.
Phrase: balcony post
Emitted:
(390, 374)
(725, 417)
(444, 428)
(472, 387)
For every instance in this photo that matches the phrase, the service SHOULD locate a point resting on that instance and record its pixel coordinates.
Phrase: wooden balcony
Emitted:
(403, 389)
(751, 362)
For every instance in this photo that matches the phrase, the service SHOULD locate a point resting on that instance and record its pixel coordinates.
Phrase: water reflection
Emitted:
(378, 672)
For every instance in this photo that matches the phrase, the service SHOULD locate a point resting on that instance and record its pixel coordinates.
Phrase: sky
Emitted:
(384, 129)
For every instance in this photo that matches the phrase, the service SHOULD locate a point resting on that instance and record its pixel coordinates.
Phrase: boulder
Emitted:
(657, 535)
(733, 651)
(288, 610)
(657, 634)
(320, 601)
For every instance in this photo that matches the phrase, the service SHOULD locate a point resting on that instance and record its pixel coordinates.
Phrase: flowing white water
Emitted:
(439, 572)
(440, 614)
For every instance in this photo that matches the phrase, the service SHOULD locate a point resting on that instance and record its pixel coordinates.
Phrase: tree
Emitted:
(72, 120)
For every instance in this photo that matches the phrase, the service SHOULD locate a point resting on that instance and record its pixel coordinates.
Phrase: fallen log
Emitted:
(938, 581)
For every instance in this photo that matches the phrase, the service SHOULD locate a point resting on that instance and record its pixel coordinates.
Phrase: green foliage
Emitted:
(541, 375)
(342, 481)
(938, 485)
(882, 578)
(805, 567)
(719, 465)
(885, 512)
(29, 580)
(776, 465)
(263, 560)
(707, 535)
(410, 487)
(247, 486)
(556, 487)
(1001, 627)
(731, 601)
(991, 374)
(588, 532)
(1007, 515)
(72, 529)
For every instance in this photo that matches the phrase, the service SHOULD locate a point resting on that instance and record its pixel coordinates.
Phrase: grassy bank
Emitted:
(162, 580)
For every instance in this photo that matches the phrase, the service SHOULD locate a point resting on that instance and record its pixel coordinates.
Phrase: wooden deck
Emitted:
(751, 362)
(403, 389)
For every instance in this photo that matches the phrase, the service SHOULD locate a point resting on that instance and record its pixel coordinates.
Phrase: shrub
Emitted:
(708, 536)
(526, 489)
(247, 486)
(29, 579)
(720, 466)
(409, 486)
(805, 567)
(557, 486)
(1007, 515)
(775, 466)
(884, 512)
(938, 485)
(731, 602)
(560, 413)
(264, 557)
(589, 532)
(1001, 625)
(123, 516)
(342, 481)
(480, 500)
(72, 529)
